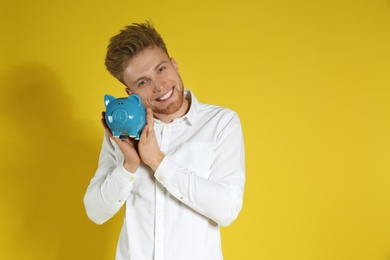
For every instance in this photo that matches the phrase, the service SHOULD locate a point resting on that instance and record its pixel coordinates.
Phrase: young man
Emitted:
(185, 176)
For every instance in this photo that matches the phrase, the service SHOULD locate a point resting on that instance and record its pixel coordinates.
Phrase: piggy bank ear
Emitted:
(108, 99)
(135, 97)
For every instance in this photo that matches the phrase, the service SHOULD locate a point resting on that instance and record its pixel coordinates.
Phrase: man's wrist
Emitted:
(156, 162)
(130, 167)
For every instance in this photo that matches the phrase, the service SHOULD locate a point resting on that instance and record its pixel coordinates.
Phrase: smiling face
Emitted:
(155, 78)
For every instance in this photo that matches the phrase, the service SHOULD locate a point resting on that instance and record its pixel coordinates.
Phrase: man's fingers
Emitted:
(144, 133)
(149, 119)
(104, 123)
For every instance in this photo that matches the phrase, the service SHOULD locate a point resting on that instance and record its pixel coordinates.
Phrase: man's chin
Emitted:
(171, 109)
(166, 111)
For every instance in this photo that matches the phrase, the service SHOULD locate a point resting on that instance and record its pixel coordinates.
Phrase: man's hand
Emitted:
(128, 147)
(149, 151)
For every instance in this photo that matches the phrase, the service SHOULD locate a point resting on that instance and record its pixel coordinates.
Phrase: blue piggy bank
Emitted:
(126, 117)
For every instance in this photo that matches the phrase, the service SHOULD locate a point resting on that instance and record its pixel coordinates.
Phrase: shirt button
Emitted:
(132, 179)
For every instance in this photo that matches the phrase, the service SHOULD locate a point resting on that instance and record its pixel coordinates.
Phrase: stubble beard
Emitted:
(172, 108)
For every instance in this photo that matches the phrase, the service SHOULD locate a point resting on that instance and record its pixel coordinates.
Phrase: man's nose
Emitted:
(159, 84)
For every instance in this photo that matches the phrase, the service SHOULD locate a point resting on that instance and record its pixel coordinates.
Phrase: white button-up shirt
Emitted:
(175, 212)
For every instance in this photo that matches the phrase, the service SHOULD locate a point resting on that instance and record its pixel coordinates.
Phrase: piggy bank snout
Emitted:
(120, 116)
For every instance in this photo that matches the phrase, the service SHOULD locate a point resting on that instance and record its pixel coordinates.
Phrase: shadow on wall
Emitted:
(45, 171)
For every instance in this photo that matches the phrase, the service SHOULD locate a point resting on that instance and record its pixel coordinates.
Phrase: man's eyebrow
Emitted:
(159, 64)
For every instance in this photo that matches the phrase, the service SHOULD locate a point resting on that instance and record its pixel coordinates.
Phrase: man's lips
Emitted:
(166, 96)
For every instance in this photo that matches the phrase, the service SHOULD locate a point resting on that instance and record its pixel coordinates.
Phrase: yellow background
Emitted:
(309, 79)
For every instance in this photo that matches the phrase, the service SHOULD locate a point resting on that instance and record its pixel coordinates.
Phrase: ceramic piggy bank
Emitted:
(126, 117)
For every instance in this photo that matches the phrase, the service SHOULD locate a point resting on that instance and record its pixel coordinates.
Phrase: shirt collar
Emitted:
(194, 106)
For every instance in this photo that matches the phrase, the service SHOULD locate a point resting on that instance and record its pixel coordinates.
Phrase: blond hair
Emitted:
(130, 41)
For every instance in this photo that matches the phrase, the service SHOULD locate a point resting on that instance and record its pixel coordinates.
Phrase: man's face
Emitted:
(155, 78)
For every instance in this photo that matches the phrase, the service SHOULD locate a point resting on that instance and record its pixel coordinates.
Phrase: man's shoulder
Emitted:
(215, 111)
(207, 110)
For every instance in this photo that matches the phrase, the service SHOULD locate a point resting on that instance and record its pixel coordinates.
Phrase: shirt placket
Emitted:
(160, 200)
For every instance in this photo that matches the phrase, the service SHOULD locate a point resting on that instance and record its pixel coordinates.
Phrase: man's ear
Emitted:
(175, 64)
(128, 91)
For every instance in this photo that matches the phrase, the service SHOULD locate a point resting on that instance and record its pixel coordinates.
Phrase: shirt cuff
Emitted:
(121, 172)
(132, 176)
(165, 170)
